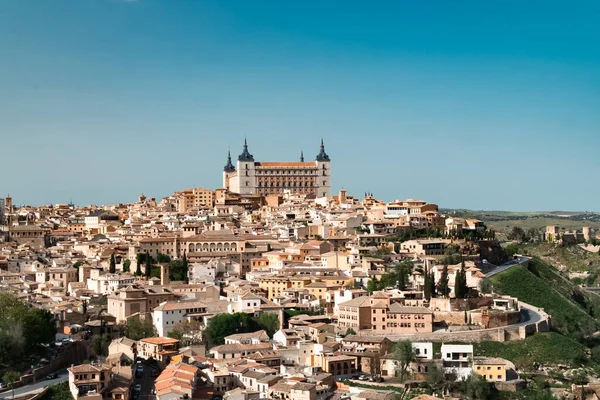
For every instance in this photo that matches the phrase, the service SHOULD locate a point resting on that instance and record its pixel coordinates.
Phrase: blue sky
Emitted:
(470, 104)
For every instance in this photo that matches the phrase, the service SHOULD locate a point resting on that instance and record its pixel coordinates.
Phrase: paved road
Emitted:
(62, 377)
(518, 261)
(147, 382)
(529, 315)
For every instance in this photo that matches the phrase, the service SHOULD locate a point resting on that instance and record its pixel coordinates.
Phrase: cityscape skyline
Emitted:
(479, 106)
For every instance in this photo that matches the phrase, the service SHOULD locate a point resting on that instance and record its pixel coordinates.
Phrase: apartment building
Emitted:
(425, 247)
(493, 369)
(89, 381)
(133, 300)
(170, 313)
(196, 198)
(457, 360)
(158, 348)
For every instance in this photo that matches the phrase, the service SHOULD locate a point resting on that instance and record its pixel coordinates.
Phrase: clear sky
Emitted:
(468, 104)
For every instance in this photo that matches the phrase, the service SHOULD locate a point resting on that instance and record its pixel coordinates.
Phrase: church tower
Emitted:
(245, 171)
(228, 172)
(324, 173)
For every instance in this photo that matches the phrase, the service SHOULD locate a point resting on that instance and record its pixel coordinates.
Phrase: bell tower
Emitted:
(246, 172)
(323, 183)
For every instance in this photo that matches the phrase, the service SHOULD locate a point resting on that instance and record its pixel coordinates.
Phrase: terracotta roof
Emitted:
(160, 340)
(286, 164)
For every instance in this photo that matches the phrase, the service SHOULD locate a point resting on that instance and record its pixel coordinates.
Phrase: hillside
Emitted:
(548, 348)
(504, 221)
(573, 311)
(567, 258)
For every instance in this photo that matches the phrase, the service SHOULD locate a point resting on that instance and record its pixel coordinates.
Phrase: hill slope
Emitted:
(573, 311)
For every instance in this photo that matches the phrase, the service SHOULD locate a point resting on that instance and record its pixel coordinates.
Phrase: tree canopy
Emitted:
(222, 325)
(22, 329)
(137, 329)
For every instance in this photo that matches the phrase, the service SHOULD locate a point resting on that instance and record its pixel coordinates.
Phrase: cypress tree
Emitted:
(186, 271)
(457, 286)
(432, 284)
(443, 282)
(463, 281)
(427, 287)
(148, 265)
(113, 264)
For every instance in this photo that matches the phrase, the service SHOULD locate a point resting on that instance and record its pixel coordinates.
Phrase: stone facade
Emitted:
(265, 178)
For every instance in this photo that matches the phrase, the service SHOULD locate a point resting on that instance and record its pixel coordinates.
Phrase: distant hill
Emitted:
(503, 221)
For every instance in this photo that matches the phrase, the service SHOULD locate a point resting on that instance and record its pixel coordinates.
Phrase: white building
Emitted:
(457, 360)
(423, 350)
(170, 313)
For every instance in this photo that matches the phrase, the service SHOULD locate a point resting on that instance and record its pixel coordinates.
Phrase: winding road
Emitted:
(63, 376)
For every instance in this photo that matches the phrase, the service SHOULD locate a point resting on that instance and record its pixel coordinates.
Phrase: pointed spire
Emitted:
(301, 156)
(229, 166)
(245, 156)
(322, 156)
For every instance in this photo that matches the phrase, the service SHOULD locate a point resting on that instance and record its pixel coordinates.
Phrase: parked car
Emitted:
(139, 370)
(155, 373)
(53, 375)
(2, 385)
(137, 388)
(363, 378)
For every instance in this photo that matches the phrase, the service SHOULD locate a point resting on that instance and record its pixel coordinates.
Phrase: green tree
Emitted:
(10, 378)
(461, 289)
(443, 288)
(432, 286)
(162, 258)
(177, 270)
(373, 285)
(403, 354)
(477, 388)
(58, 392)
(139, 258)
(222, 325)
(349, 332)
(126, 265)
(148, 270)
(187, 332)
(485, 286)
(137, 329)
(113, 264)
(185, 268)
(518, 234)
(427, 286)
(269, 322)
(100, 345)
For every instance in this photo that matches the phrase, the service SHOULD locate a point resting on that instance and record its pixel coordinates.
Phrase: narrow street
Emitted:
(147, 382)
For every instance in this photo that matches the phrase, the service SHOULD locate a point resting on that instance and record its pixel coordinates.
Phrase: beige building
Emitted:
(404, 319)
(194, 199)
(158, 348)
(89, 381)
(425, 247)
(493, 369)
(132, 300)
(377, 314)
(32, 235)
(265, 178)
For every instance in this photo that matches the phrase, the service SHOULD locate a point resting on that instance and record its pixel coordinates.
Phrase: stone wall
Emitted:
(496, 319)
